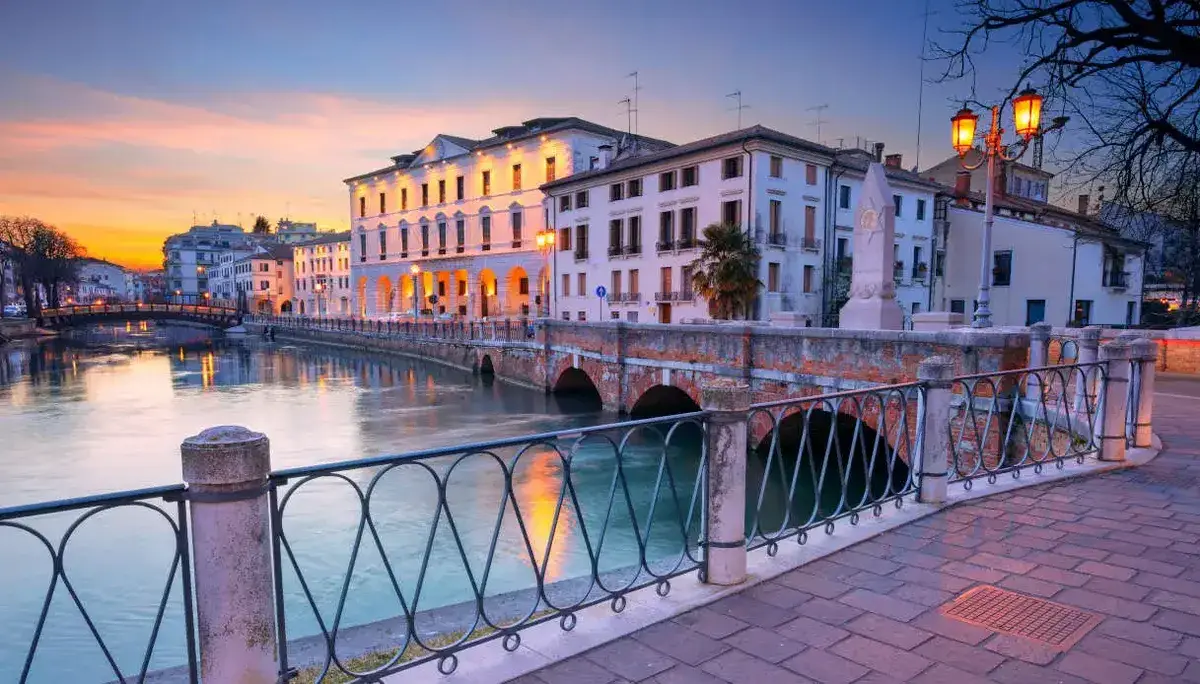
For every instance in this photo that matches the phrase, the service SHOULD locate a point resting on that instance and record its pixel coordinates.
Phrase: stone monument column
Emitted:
(872, 304)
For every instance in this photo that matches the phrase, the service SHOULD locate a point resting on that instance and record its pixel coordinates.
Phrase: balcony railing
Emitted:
(459, 249)
(920, 271)
(615, 250)
(516, 244)
(810, 244)
(631, 297)
(633, 249)
(664, 245)
(898, 270)
(1117, 281)
(666, 296)
(581, 254)
(777, 239)
(686, 242)
(615, 297)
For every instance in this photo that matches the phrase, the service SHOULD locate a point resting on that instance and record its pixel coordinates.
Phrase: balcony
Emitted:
(615, 250)
(486, 247)
(632, 297)
(441, 251)
(615, 297)
(664, 245)
(686, 295)
(581, 254)
(898, 271)
(686, 242)
(666, 296)
(920, 271)
(516, 244)
(459, 249)
(633, 249)
(1117, 281)
(776, 238)
(845, 265)
(810, 244)
(404, 254)
(424, 251)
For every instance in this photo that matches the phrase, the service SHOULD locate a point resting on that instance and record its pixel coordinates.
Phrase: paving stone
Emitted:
(1053, 560)
(919, 559)
(685, 674)
(576, 671)
(1140, 632)
(991, 560)
(934, 621)
(1125, 590)
(742, 668)
(830, 612)
(630, 659)
(1020, 531)
(1031, 586)
(1022, 649)
(1171, 584)
(1140, 563)
(888, 631)
(1177, 602)
(862, 561)
(944, 674)
(710, 623)
(1114, 572)
(1190, 647)
(894, 608)
(922, 595)
(973, 572)
(961, 656)
(1017, 546)
(948, 551)
(765, 644)
(1109, 605)
(874, 677)
(680, 643)
(1133, 654)
(1057, 576)
(812, 584)
(751, 611)
(812, 632)
(879, 656)
(827, 668)
(1086, 553)
(901, 541)
(1097, 669)
(778, 595)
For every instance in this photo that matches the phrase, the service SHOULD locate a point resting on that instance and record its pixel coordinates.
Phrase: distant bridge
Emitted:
(68, 316)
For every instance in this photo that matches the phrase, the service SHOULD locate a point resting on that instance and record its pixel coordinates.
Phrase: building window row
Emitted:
(485, 182)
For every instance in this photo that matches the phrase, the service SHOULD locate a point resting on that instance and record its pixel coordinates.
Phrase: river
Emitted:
(106, 410)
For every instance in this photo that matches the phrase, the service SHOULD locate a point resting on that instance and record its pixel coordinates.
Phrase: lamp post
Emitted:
(318, 287)
(545, 244)
(1027, 112)
(415, 270)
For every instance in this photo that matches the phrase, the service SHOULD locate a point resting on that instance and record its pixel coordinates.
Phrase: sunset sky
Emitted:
(120, 119)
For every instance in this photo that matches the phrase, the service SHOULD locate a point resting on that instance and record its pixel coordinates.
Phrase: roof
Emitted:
(324, 239)
(508, 134)
(756, 132)
(1081, 224)
(975, 156)
(860, 160)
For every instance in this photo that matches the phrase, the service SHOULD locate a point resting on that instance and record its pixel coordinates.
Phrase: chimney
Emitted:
(1084, 201)
(605, 155)
(962, 184)
(879, 152)
(892, 161)
(1001, 186)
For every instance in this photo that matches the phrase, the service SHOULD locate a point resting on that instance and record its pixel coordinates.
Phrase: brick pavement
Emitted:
(1125, 545)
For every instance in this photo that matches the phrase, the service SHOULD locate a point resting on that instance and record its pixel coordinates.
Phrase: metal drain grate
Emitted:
(999, 610)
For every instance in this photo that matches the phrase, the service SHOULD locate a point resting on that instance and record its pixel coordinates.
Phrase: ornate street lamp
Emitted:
(415, 270)
(545, 244)
(1027, 113)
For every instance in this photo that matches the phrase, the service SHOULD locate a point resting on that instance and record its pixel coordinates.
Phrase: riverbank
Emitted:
(20, 329)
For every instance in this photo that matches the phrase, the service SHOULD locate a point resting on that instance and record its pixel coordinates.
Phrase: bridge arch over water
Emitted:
(70, 316)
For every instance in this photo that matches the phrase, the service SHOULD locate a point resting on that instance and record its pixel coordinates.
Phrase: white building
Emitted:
(321, 271)
(291, 232)
(263, 281)
(1047, 264)
(633, 226)
(100, 280)
(466, 214)
(189, 257)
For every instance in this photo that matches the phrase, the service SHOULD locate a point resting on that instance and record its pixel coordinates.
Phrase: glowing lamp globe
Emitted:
(1027, 113)
(962, 130)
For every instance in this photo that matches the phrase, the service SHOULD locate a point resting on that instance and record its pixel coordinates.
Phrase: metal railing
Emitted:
(52, 532)
(495, 330)
(1005, 422)
(828, 457)
(140, 308)
(622, 534)
(1063, 350)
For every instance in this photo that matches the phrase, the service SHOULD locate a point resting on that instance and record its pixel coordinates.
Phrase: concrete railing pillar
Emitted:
(1115, 355)
(226, 470)
(1039, 355)
(1145, 353)
(933, 468)
(1089, 352)
(728, 404)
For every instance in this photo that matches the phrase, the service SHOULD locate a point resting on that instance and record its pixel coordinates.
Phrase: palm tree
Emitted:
(726, 273)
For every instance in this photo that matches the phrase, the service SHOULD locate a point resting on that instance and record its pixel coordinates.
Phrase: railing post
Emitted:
(1115, 355)
(936, 373)
(1039, 352)
(1089, 352)
(728, 404)
(1145, 353)
(226, 470)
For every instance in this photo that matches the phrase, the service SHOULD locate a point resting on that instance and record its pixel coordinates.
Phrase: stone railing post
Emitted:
(1115, 355)
(1088, 344)
(933, 467)
(1039, 355)
(728, 404)
(226, 470)
(1145, 353)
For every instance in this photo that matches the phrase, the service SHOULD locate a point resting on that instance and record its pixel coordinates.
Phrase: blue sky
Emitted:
(121, 118)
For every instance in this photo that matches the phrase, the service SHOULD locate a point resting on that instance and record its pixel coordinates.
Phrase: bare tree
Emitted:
(42, 255)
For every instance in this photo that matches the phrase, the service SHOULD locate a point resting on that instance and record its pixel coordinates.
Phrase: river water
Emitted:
(107, 409)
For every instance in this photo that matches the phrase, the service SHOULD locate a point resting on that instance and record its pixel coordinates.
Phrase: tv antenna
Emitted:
(737, 97)
(921, 85)
(636, 88)
(819, 109)
(628, 114)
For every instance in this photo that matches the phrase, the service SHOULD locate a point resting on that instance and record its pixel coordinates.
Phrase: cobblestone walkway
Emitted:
(1124, 545)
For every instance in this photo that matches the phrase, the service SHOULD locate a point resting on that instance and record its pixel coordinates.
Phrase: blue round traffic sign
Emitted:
(601, 291)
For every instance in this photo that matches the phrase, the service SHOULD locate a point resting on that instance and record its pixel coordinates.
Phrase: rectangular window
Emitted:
(635, 188)
(772, 277)
(842, 244)
(666, 230)
(459, 187)
(810, 174)
(460, 233)
(549, 169)
(958, 306)
(1002, 268)
(566, 285)
(916, 307)
(634, 244)
(383, 244)
(920, 210)
(775, 217)
(523, 286)
(1035, 311)
(808, 278)
(899, 202)
(616, 192)
(664, 279)
(581, 199)
(1083, 312)
(564, 203)
(685, 285)
(485, 227)
(424, 239)
(731, 167)
(383, 202)
(1130, 313)
(581, 241)
(666, 181)
(919, 269)
(424, 194)
(485, 180)
(404, 242)
(939, 264)
(687, 225)
(731, 212)
(690, 176)
(810, 224)
(441, 237)
(403, 199)
(614, 288)
(634, 286)
(362, 208)
(564, 239)
(516, 176)
(582, 279)
(566, 315)
(843, 197)
(776, 167)
(614, 237)
(518, 220)
(582, 316)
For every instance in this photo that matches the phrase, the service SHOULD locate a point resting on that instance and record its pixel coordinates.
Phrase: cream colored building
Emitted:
(321, 272)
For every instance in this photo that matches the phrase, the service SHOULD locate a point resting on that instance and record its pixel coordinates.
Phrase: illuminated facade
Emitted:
(263, 281)
(321, 272)
(454, 228)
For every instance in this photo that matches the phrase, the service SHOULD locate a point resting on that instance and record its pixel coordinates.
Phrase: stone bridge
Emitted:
(68, 316)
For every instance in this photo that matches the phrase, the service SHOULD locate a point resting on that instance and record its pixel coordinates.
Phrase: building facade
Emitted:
(263, 281)
(322, 278)
(453, 228)
(188, 258)
(291, 232)
(102, 281)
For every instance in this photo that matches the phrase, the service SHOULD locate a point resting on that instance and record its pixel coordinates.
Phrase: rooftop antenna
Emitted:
(818, 121)
(737, 97)
(628, 114)
(636, 88)
(194, 217)
(921, 87)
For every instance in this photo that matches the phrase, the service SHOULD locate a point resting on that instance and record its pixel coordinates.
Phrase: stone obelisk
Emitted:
(872, 304)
